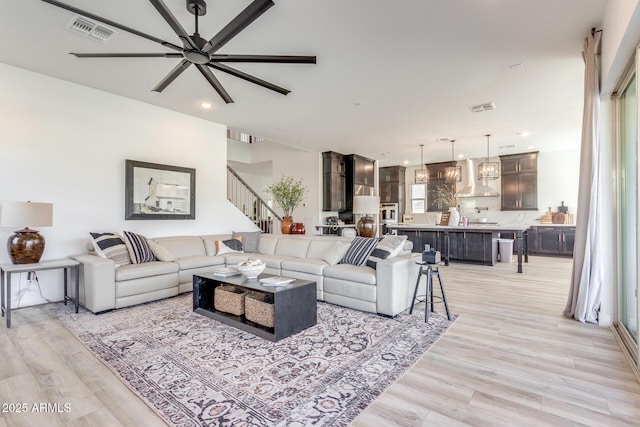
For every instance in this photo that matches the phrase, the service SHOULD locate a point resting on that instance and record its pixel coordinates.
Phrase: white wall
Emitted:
(66, 144)
(304, 165)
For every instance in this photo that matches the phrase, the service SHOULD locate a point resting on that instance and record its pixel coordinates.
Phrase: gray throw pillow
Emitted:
(250, 240)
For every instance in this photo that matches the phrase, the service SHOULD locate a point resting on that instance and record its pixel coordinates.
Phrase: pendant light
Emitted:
(488, 170)
(453, 173)
(422, 174)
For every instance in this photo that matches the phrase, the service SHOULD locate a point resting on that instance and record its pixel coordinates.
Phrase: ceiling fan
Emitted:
(195, 49)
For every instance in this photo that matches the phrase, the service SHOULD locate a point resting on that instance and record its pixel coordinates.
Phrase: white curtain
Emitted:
(587, 277)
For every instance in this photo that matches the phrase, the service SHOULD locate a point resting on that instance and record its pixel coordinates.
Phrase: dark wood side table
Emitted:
(6, 270)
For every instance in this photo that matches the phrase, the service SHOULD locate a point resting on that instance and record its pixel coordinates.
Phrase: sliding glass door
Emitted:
(627, 174)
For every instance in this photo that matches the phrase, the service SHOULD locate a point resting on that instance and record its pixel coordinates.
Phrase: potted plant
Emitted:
(445, 196)
(288, 193)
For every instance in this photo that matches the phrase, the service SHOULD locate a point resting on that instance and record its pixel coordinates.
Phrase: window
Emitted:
(418, 195)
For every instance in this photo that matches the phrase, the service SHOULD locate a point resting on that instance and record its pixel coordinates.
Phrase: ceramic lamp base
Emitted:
(366, 227)
(25, 246)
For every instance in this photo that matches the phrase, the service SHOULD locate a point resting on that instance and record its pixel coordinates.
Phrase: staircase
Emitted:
(251, 204)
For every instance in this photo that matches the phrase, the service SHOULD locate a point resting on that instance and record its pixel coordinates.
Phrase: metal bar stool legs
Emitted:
(429, 300)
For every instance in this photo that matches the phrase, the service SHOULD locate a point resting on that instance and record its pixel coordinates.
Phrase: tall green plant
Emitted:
(288, 193)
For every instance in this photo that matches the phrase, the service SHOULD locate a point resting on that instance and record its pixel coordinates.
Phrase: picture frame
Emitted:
(408, 218)
(159, 192)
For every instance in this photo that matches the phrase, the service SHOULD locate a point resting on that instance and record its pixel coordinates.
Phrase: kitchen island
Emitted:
(474, 244)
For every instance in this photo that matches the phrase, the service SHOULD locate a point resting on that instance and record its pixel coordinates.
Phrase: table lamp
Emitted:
(367, 206)
(26, 246)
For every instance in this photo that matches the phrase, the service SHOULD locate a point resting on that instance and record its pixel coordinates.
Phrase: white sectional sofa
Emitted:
(386, 290)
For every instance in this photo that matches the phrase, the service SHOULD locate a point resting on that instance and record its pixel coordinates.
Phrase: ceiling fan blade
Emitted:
(126, 55)
(239, 23)
(215, 83)
(249, 78)
(173, 74)
(173, 23)
(112, 23)
(280, 59)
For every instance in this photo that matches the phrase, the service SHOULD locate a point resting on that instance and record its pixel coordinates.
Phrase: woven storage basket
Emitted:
(230, 299)
(259, 309)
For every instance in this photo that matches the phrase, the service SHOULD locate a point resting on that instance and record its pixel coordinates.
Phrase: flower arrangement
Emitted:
(288, 193)
(445, 195)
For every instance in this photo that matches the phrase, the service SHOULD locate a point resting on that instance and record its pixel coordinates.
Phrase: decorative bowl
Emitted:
(251, 269)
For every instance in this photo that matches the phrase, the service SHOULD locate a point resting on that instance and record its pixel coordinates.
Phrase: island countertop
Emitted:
(471, 227)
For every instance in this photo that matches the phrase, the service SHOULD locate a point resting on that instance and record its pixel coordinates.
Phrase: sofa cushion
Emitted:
(183, 246)
(359, 250)
(198, 261)
(235, 258)
(387, 247)
(351, 273)
(296, 247)
(267, 244)
(273, 261)
(138, 248)
(321, 244)
(148, 269)
(209, 242)
(160, 252)
(250, 240)
(311, 266)
(110, 245)
(336, 252)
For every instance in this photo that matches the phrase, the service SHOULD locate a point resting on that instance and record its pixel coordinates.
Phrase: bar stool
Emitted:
(429, 270)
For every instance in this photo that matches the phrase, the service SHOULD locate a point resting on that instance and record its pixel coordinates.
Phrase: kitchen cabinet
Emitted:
(392, 187)
(359, 180)
(333, 182)
(519, 181)
(473, 246)
(557, 241)
(421, 237)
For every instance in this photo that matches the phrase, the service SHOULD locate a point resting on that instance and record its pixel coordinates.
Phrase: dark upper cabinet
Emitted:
(333, 182)
(361, 168)
(392, 186)
(519, 181)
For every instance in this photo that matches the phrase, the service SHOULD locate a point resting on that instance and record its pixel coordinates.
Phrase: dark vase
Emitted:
(297, 228)
(287, 223)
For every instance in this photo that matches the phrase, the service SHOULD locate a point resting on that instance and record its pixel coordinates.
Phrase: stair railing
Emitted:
(251, 204)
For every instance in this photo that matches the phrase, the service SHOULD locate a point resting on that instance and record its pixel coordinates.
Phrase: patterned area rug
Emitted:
(195, 371)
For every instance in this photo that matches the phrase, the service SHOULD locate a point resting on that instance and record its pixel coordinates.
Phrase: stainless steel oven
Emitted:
(388, 216)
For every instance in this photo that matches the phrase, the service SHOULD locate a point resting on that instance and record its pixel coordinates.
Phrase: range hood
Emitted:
(474, 187)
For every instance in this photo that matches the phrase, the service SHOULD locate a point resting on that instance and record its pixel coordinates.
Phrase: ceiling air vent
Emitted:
(86, 27)
(487, 106)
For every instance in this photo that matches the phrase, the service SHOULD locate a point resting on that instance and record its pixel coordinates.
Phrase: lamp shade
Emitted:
(366, 205)
(26, 214)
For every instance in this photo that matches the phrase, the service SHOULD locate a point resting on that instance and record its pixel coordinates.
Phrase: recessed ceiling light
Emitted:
(523, 134)
(205, 105)
(531, 147)
(406, 162)
(461, 156)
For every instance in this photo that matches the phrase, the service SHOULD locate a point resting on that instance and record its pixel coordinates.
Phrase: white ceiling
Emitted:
(391, 75)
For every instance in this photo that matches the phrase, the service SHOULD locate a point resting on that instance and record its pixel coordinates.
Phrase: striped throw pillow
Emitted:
(388, 247)
(110, 245)
(359, 251)
(139, 250)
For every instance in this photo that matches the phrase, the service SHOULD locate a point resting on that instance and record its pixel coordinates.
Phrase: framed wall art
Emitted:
(154, 191)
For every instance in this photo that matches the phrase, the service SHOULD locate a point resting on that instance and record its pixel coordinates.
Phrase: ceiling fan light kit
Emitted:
(196, 50)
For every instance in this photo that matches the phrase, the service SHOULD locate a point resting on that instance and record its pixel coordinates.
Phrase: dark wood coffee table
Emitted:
(295, 304)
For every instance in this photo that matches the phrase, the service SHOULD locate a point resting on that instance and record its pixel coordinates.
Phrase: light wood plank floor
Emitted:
(510, 359)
